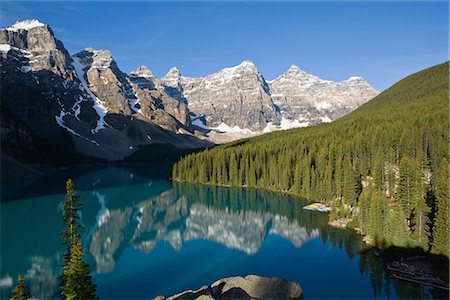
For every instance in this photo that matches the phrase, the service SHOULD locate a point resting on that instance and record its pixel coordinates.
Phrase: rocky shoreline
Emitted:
(248, 287)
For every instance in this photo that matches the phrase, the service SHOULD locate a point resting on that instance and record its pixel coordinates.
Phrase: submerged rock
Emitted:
(248, 287)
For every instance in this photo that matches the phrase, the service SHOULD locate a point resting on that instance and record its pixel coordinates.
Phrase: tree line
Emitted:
(384, 166)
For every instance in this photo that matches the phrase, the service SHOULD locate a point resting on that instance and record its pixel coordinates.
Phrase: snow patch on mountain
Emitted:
(197, 122)
(25, 25)
(8, 47)
(222, 127)
(235, 129)
(98, 106)
(25, 69)
(60, 121)
(284, 125)
(326, 119)
(323, 105)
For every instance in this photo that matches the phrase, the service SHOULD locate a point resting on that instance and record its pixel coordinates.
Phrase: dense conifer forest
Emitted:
(384, 166)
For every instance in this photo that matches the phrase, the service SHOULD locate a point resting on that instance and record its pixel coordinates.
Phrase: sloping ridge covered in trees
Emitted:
(386, 159)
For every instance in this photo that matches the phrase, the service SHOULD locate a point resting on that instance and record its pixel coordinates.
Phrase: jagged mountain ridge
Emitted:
(236, 96)
(305, 96)
(103, 112)
(85, 97)
(239, 98)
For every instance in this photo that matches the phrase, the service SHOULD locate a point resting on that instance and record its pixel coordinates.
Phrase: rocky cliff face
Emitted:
(237, 96)
(138, 94)
(84, 102)
(239, 101)
(308, 99)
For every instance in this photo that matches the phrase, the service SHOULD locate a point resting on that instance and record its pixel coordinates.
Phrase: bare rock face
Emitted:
(45, 51)
(172, 82)
(237, 96)
(248, 287)
(84, 102)
(38, 80)
(307, 98)
(139, 94)
(106, 81)
(107, 113)
(153, 97)
(237, 102)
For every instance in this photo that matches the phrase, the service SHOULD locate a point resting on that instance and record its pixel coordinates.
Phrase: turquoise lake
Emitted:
(146, 236)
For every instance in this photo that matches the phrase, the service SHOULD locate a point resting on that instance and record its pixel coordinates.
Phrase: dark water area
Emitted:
(146, 236)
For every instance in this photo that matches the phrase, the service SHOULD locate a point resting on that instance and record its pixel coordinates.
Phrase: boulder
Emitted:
(248, 287)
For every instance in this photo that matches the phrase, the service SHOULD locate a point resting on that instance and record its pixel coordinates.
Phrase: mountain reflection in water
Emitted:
(145, 236)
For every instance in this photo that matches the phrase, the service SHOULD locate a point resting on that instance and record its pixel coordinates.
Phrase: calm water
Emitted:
(146, 236)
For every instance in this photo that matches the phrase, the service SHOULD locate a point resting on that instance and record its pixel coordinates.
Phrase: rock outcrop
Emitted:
(248, 287)
(237, 96)
(84, 102)
(308, 99)
(239, 101)
(138, 94)
(88, 105)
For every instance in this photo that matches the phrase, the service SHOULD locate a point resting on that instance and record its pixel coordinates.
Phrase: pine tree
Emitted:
(377, 215)
(408, 185)
(363, 214)
(78, 284)
(420, 228)
(440, 229)
(352, 185)
(21, 290)
(76, 281)
(397, 231)
(334, 214)
(70, 214)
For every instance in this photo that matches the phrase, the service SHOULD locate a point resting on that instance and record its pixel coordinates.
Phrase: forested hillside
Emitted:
(385, 165)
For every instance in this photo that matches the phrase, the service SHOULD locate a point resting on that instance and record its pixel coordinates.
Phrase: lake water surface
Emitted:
(146, 236)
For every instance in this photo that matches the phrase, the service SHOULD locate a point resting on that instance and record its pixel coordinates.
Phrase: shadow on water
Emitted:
(86, 178)
(142, 231)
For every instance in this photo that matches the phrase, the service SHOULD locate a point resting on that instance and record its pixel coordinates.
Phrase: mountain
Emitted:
(384, 165)
(237, 96)
(59, 108)
(241, 101)
(308, 99)
(156, 214)
(84, 102)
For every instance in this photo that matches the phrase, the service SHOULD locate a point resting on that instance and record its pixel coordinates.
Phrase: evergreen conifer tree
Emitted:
(408, 185)
(440, 229)
(420, 228)
(20, 292)
(76, 281)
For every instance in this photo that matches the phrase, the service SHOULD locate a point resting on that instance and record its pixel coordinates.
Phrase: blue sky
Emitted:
(381, 41)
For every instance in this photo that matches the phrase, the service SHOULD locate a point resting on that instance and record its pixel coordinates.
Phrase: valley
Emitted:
(195, 150)
(105, 114)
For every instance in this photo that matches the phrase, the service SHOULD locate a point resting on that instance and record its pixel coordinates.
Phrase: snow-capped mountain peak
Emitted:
(142, 71)
(173, 72)
(247, 64)
(294, 68)
(102, 107)
(355, 78)
(308, 98)
(25, 25)
(244, 66)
